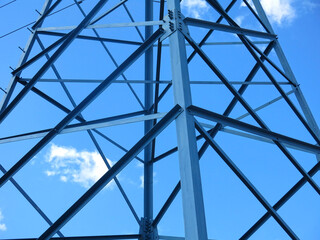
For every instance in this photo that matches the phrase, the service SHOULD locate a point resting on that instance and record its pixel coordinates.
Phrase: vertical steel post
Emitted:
(192, 198)
(148, 166)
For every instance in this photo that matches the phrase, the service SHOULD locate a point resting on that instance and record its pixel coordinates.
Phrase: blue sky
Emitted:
(70, 164)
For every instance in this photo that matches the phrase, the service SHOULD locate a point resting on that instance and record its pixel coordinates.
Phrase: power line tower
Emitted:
(155, 60)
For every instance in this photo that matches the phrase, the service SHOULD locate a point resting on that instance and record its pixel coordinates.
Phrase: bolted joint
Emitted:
(147, 231)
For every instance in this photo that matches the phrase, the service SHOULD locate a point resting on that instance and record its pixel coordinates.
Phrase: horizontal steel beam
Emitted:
(109, 237)
(252, 129)
(111, 25)
(99, 123)
(85, 37)
(151, 81)
(227, 28)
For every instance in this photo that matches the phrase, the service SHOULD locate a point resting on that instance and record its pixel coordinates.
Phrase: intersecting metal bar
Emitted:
(203, 41)
(284, 62)
(247, 106)
(246, 181)
(29, 199)
(80, 119)
(69, 38)
(6, 98)
(108, 176)
(88, 125)
(132, 20)
(110, 55)
(108, 237)
(94, 94)
(228, 110)
(256, 16)
(108, 11)
(92, 137)
(91, 38)
(281, 202)
(45, 14)
(226, 28)
(39, 55)
(251, 128)
(246, 42)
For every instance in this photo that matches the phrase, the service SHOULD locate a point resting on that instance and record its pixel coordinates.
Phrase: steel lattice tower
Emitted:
(151, 84)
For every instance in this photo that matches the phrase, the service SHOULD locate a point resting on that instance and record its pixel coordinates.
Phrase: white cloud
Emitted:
(239, 20)
(195, 8)
(278, 11)
(141, 181)
(71, 165)
(3, 227)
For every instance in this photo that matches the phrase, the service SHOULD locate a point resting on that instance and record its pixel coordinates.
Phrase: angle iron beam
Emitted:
(226, 28)
(248, 107)
(93, 95)
(85, 37)
(107, 12)
(108, 176)
(226, 121)
(29, 199)
(281, 202)
(110, 55)
(24, 57)
(45, 14)
(108, 237)
(88, 125)
(209, 33)
(69, 38)
(246, 181)
(285, 65)
(246, 42)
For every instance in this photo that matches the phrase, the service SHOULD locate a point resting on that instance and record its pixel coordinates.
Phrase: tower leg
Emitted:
(192, 199)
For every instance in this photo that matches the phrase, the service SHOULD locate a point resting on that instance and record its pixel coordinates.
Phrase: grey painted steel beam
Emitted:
(85, 37)
(148, 124)
(45, 14)
(69, 38)
(285, 65)
(219, 74)
(88, 125)
(107, 12)
(226, 28)
(150, 81)
(111, 56)
(246, 181)
(111, 25)
(93, 95)
(25, 54)
(108, 176)
(251, 129)
(281, 202)
(29, 199)
(80, 119)
(108, 237)
(247, 42)
(191, 188)
(92, 137)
